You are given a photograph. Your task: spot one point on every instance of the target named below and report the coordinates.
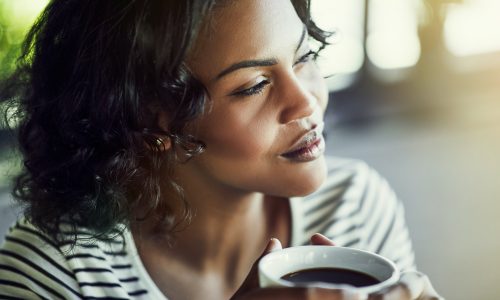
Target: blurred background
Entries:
(415, 92)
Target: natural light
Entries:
(392, 40)
(472, 28)
(21, 13)
(346, 55)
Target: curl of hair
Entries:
(86, 91)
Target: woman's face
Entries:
(264, 119)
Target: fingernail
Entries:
(321, 235)
(319, 238)
(274, 244)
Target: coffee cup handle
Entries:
(418, 285)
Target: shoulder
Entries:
(356, 207)
(34, 265)
(360, 194)
(351, 177)
(342, 208)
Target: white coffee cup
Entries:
(275, 265)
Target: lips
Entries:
(309, 147)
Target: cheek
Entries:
(236, 134)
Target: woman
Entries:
(163, 143)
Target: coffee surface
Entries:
(332, 275)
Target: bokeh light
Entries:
(472, 28)
(392, 41)
(16, 17)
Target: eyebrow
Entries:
(258, 62)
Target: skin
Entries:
(240, 186)
(249, 133)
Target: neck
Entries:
(228, 232)
(228, 228)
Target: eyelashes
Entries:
(256, 89)
(259, 87)
(307, 57)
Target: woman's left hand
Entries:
(412, 285)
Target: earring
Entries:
(159, 142)
(163, 143)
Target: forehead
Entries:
(242, 30)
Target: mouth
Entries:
(308, 148)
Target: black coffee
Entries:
(332, 275)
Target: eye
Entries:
(256, 89)
(311, 55)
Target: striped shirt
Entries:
(355, 207)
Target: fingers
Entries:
(273, 245)
(412, 286)
(300, 293)
(319, 239)
(331, 294)
(396, 292)
(419, 286)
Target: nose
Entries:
(298, 101)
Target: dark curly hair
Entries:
(88, 86)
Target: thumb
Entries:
(252, 280)
(273, 245)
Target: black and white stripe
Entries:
(32, 266)
(355, 207)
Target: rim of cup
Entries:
(274, 279)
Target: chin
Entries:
(306, 188)
(307, 179)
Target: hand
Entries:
(416, 286)
(412, 286)
(250, 287)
